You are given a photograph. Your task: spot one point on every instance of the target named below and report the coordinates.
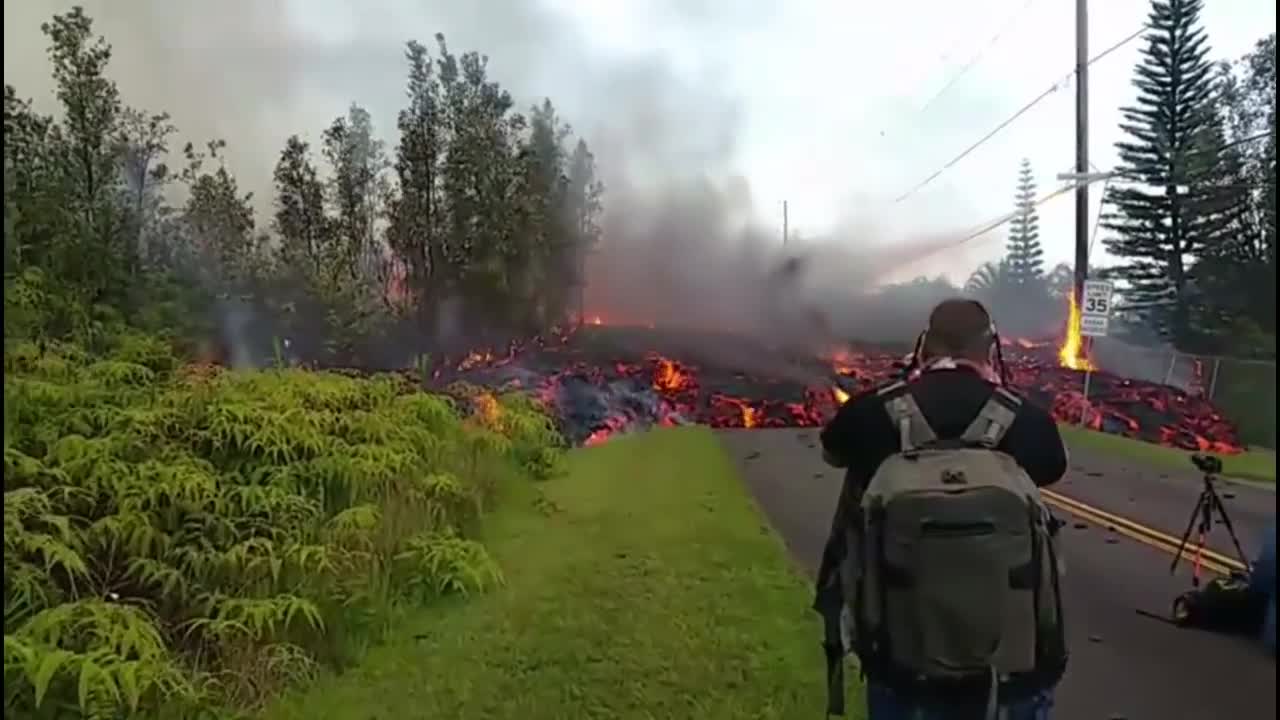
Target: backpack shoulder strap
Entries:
(994, 420)
(914, 430)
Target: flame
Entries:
(845, 361)
(840, 395)
(487, 409)
(749, 416)
(1071, 354)
(668, 376)
(594, 320)
(597, 437)
(474, 359)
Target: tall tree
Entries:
(301, 225)
(86, 152)
(33, 190)
(220, 220)
(358, 190)
(1233, 276)
(479, 176)
(415, 211)
(542, 263)
(1171, 212)
(144, 142)
(584, 204)
(1023, 250)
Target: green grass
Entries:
(1257, 465)
(644, 584)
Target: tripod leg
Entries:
(1202, 535)
(1186, 535)
(1231, 530)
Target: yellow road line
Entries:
(1213, 561)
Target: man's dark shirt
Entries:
(863, 436)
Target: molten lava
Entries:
(1071, 354)
(595, 388)
(669, 377)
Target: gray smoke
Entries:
(683, 243)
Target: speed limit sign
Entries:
(1095, 308)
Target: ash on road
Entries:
(1123, 665)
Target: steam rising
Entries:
(684, 242)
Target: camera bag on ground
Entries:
(950, 574)
(1224, 604)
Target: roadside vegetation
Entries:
(1256, 465)
(643, 583)
(181, 540)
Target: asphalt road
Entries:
(1123, 665)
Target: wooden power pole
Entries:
(784, 222)
(1082, 147)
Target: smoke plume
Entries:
(684, 243)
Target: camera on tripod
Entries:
(1223, 599)
(1207, 464)
(1209, 507)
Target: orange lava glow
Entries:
(1071, 354)
(668, 376)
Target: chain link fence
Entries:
(1244, 390)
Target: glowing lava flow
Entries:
(1071, 354)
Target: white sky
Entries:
(834, 91)
(826, 94)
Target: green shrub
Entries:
(182, 542)
(1246, 393)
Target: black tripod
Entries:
(1208, 504)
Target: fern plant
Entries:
(182, 539)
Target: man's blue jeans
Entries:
(1263, 580)
(883, 704)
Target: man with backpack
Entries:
(941, 571)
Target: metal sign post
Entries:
(1084, 406)
(1095, 321)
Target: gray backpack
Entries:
(951, 574)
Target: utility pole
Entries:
(1082, 147)
(784, 223)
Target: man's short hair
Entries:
(959, 328)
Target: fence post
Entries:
(1213, 377)
(1084, 406)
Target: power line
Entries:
(1021, 111)
(1106, 179)
(992, 225)
(1004, 219)
(978, 55)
